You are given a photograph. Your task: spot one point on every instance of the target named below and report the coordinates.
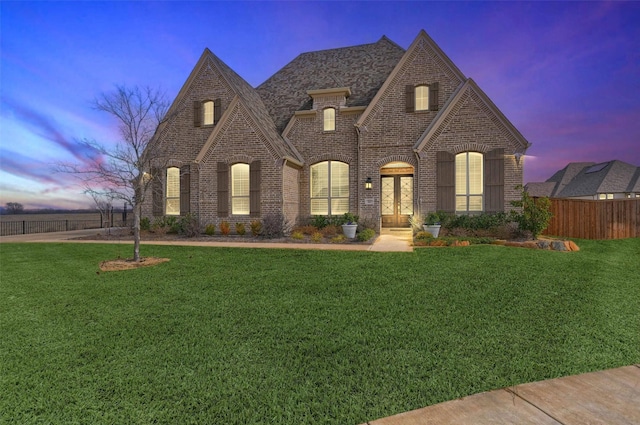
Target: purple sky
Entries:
(566, 74)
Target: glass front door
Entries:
(397, 200)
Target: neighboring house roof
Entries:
(579, 179)
(363, 69)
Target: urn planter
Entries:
(349, 230)
(434, 229)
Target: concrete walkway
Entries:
(610, 397)
(389, 241)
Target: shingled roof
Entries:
(580, 179)
(362, 68)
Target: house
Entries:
(374, 129)
(588, 180)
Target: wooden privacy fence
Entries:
(585, 219)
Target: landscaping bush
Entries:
(240, 230)
(535, 214)
(145, 223)
(330, 230)
(338, 239)
(307, 230)
(317, 237)
(225, 228)
(210, 230)
(298, 235)
(188, 226)
(256, 227)
(274, 225)
(365, 235)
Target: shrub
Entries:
(338, 239)
(319, 221)
(225, 228)
(535, 213)
(366, 234)
(423, 236)
(298, 235)
(145, 223)
(317, 237)
(210, 229)
(240, 229)
(256, 227)
(159, 226)
(308, 229)
(274, 225)
(330, 230)
(188, 225)
(348, 218)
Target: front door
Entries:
(397, 200)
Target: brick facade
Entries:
(369, 133)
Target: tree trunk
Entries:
(137, 212)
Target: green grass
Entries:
(238, 336)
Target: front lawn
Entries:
(244, 336)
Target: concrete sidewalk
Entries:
(389, 241)
(610, 397)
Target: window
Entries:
(172, 206)
(469, 182)
(422, 98)
(329, 119)
(329, 188)
(605, 196)
(208, 113)
(240, 189)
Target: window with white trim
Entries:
(605, 196)
(329, 188)
(172, 204)
(469, 182)
(329, 117)
(422, 98)
(240, 204)
(207, 109)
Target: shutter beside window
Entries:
(494, 181)
(254, 188)
(223, 189)
(197, 113)
(217, 110)
(410, 98)
(433, 97)
(185, 190)
(157, 198)
(445, 182)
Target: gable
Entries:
(470, 111)
(423, 63)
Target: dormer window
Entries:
(422, 98)
(329, 117)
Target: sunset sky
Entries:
(566, 74)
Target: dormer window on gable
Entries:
(329, 119)
(206, 112)
(423, 97)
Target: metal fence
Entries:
(25, 227)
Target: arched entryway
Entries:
(396, 192)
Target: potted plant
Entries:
(432, 224)
(349, 225)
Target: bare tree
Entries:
(123, 171)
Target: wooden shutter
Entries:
(157, 197)
(433, 97)
(185, 190)
(223, 189)
(217, 110)
(254, 188)
(197, 113)
(410, 98)
(494, 181)
(445, 182)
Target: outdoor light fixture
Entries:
(518, 155)
(368, 184)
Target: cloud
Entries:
(47, 128)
